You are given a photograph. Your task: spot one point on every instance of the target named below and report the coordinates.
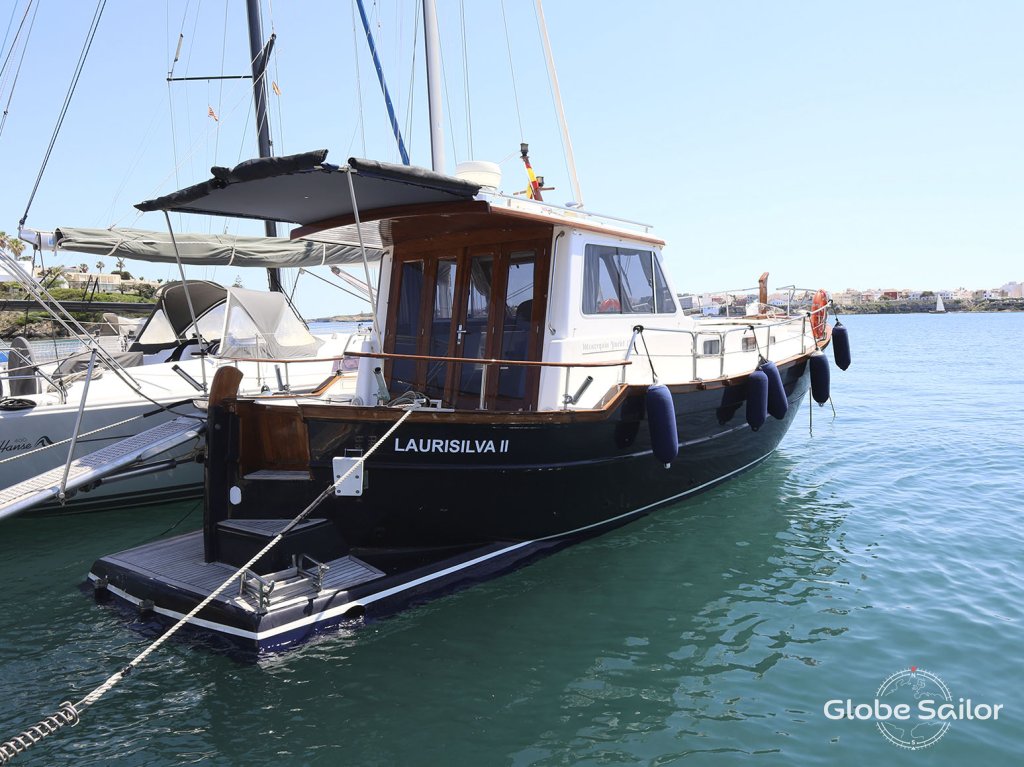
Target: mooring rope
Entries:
(69, 713)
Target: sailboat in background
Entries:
(940, 308)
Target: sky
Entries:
(833, 144)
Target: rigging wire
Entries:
(448, 103)
(412, 76)
(512, 69)
(170, 96)
(21, 60)
(10, 23)
(220, 83)
(465, 76)
(273, 85)
(185, 91)
(359, 83)
(14, 43)
(97, 15)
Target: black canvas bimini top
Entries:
(303, 189)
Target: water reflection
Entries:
(641, 645)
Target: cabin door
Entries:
(482, 302)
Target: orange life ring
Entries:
(609, 305)
(819, 314)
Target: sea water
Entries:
(884, 538)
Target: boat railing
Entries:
(31, 371)
(760, 340)
(760, 334)
(487, 363)
(731, 306)
(65, 319)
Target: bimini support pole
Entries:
(366, 262)
(188, 297)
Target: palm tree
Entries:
(13, 244)
(83, 268)
(99, 266)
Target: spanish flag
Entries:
(213, 115)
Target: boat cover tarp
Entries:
(171, 320)
(218, 249)
(303, 189)
(79, 363)
(263, 325)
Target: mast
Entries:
(259, 56)
(432, 47)
(570, 160)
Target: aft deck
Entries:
(178, 564)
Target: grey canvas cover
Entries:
(220, 249)
(171, 320)
(79, 363)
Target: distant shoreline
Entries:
(365, 317)
(928, 307)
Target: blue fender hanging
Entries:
(661, 420)
(778, 402)
(757, 399)
(841, 346)
(820, 376)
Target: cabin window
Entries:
(454, 306)
(516, 325)
(407, 325)
(441, 325)
(713, 347)
(749, 344)
(624, 281)
(473, 332)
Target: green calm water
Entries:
(709, 633)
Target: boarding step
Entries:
(304, 580)
(239, 540)
(277, 475)
(102, 463)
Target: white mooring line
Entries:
(69, 713)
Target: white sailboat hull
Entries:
(27, 446)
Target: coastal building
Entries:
(1013, 290)
(7, 276)
(106, 283)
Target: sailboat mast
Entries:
(259, 90)
(570, 159)
(432, 47)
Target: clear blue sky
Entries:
(834, 144)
